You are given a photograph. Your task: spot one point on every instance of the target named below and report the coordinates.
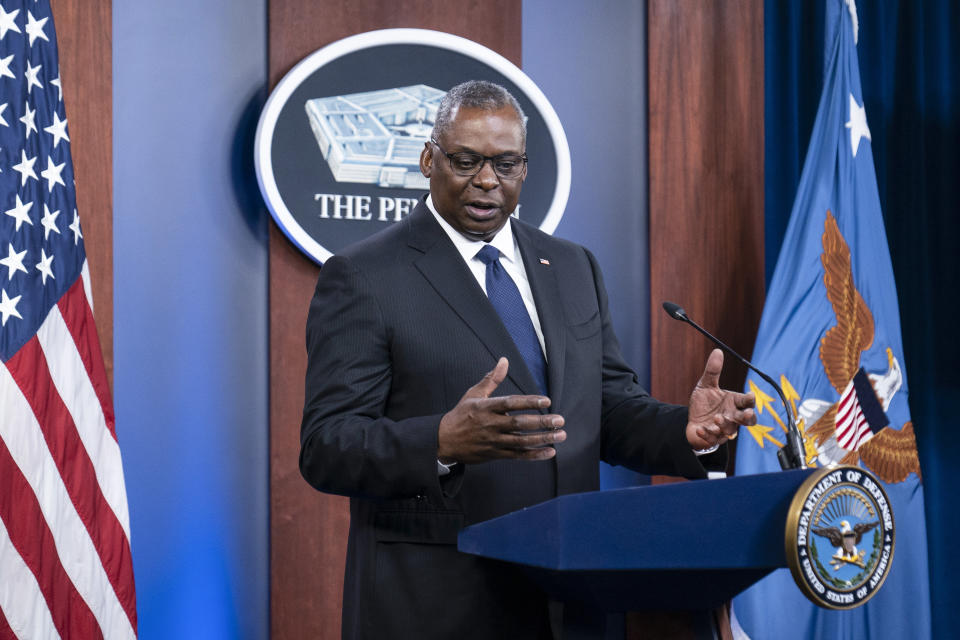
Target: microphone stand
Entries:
(790, 455)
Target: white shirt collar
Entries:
(504, 240)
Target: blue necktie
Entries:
(506, 299)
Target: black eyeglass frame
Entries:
(474, 154)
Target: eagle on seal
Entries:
(846, 539)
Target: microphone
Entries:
(790, 455)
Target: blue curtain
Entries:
(910, 69)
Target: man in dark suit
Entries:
(434, 406)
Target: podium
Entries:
(682, 546)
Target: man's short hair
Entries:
(475, 94)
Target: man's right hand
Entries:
(478, 429)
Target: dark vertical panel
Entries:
(308, 529)
(706, 183)
(83, 42)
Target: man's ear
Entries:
(426, 160)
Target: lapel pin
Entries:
(544, 261)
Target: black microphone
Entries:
(790, 455)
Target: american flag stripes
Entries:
(859, 413)
(852, 427)
(65, 563)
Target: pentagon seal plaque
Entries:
(338, 144)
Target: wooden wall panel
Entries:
(705, 77)
(706, 184)
(84, 45)
(308, 529)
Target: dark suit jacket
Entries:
(398, 330)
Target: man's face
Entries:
(480, 205)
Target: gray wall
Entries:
(589, 58)
(190, 298)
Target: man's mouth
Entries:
(481, 209)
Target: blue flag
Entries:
(831, 333)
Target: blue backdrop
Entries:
(910, 70)
(190, 323)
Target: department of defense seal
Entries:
(840, 537)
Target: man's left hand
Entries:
(716, 414)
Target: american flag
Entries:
(65, 564)
(852, 426)
(859, 413)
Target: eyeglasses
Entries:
(467, 164)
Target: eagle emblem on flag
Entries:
(854, 428)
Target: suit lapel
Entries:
(546, 295)
(443, 267)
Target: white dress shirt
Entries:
(510, 258)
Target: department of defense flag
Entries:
(831, 333)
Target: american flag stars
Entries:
(35, 28)
(7, 23)
(32, 76)
(58, 129)
(49, 221)
(8, 307)
(14, 261)
(29, 119)
(44, 266)
(52, 173)
(25, 168)
(75, 227)
(35, 168)
(20, 212)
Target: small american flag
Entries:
(852, 427)
(859, 413)
(65, 564)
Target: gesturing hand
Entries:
(478, 429)
(716, 414)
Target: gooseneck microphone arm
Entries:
(790, 455)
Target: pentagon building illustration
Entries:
(376, 137)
